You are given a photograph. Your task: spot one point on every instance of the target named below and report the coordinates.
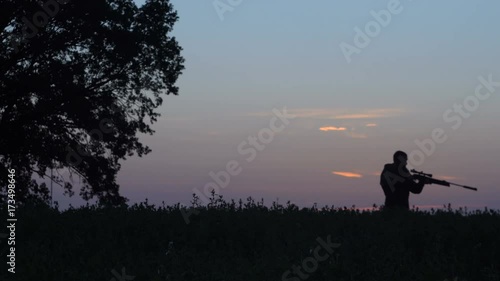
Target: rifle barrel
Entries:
(440, 182)
(465, 186)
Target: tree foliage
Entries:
(77, 85)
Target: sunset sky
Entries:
(404, 86)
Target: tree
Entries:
(79, 80)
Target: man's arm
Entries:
(415, 188)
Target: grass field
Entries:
(248, 241)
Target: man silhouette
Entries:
(397, 182)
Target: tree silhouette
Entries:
(79, 80)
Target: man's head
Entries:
(400, 158)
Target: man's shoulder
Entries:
(392, 169)
(389, 166)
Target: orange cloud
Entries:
(371, 125)
(347, 174)
(326, 129)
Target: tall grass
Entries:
(245, 240)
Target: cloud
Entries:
(356, 135)
(340, 113)
(446, 178)
(347, 174)
(326, 129)
(370, 113)
(371, 125)
(348, 133)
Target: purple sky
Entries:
(422, 75)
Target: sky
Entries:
(361, 81)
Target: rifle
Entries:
(431, 180)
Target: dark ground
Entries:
(248, 241)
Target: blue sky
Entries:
(274, 54)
